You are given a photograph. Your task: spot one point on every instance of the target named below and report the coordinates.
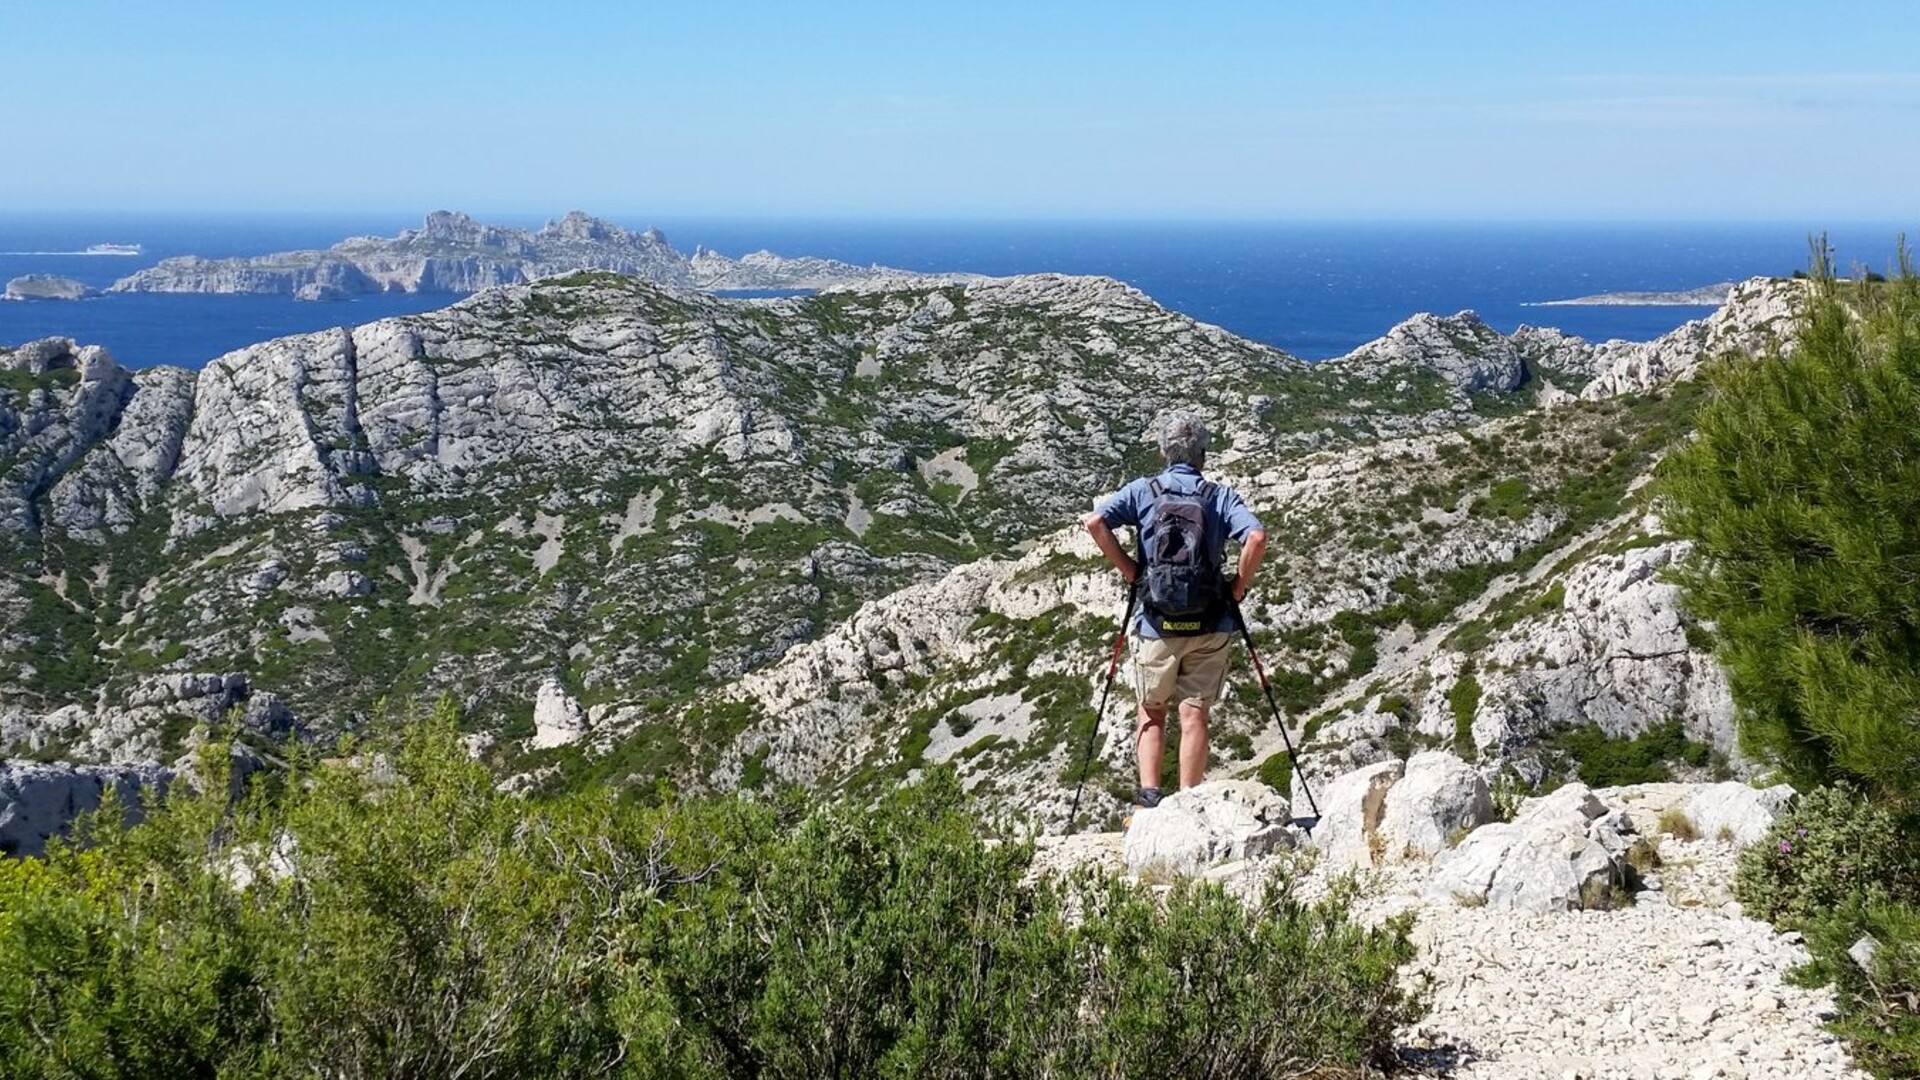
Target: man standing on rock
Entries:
(1186, 624)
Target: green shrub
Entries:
(1202, 980)
(1801, 495)
(1362, 638)
(1834, 849)
(390, 913)
(1601, 760)
(1277, 772)
(1235, 744)
(1510, 498)
(1879, 1006)
(1464, 701)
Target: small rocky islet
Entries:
(46, 287)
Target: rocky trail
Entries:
(1666, 988)
(1534, 974)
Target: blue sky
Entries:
(1500, 111)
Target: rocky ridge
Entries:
(453, 253)
(744, 539)
(996, 659)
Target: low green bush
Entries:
(1834, 849)
(389, 913)
(1464, 702)
(1601, 760)
(1277, 772)
(1879, 1004)
(1841, 868)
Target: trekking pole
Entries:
(1086, 756)
(1293, 759)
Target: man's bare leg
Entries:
(1150, 742)
(1193, 744)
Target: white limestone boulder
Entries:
(1438, 800)
(343, 584)
(1563, 852)
(1200, 827)
(1507, 866)
(558, 720)
(1736, 812)
(1351, 809)
(249, 863)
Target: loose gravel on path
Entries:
(1675, 987)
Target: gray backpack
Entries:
(1184, 590)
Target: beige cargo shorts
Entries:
(1189, 670)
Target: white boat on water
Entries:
(112, 249)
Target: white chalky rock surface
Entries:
(1350, 811)
(1561, 852)
(1736, 812)
(1649, 992)
(1200, 827)
(557, 719)
(1439, 798)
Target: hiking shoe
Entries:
(1146, 798)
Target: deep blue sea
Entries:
(1315, 290)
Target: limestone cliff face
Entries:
(282, 274)
(72, 400)
(38, 801)
(825, 538)
(1615, 652)
(126, 470)
(1757, 317)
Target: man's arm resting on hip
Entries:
(1110, 547)
(1252, 550)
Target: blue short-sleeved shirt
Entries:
(1227, 517)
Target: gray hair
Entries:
(1183, 440)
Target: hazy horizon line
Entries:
(521, 214)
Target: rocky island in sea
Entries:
(453, 253)
(1704, 296)
(46, 287)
